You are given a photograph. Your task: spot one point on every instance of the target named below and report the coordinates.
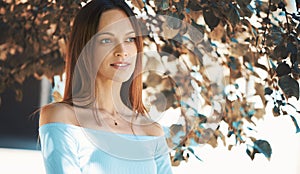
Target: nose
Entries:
(121, 54)
(121, 51)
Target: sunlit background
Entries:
(19, 147)
(20, 151)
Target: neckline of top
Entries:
(96, 130)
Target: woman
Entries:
(101, 125)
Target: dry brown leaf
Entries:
(138, 3)
(57, 96)
(259, 113)
(217, 33)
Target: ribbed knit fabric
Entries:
(70, 149)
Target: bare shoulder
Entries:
(151, 127)
(156, 129)
(57, 112)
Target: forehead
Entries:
(114, 19)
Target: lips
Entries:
(120, 65)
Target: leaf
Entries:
(164, 100)
(296, 67)
(162, 4)
(279, 52)
(292, 48)
(57, 96)
(194, 5)
(233, 15)
(213, 141)
(259, 113)
(238, 49)
(272, 64)
(180, 7)
(230, 146)
(289, 86)
(217, 33)
(263, 146)
(243, 3)
(173, 21)
(296, 124)
(138, 3)
(172, 25)
(275, 1)
(192, 151)
(176, 129)
(283, 69)
(199, 28)
(219, 134)
(273, 7)
(261, 6)
(153, 79)
(178, 155)
(168, 32)
(268, 91)
(276, 111)
(232, 63)
(210, 19)
(249, 153)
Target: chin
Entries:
(121, 78)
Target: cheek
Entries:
(101, 52)
(99, 57)
(133, 55)
(132, 49)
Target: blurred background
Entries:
(32, 47)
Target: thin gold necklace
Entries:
(115, 120)
(111, 115)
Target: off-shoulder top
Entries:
(70, 149)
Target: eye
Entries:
(131, 39)
(105, 41)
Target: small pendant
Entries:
(116, 124)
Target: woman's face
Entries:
(115, 46)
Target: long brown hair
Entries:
(78, 79)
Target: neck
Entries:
(108, 95)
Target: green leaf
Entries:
(289, 86)
(233, 15)
(280, 52)
(292, 48)
(263, 146)
(162, 4)
(192, 151)
(296, 124)
(194, 5)
(283, 69)
(178, 155)
(210, 19)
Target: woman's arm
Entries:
(58, 144)
(162, 158)
(59, 150)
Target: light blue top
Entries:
(70, 149)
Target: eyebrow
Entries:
(108, 33)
